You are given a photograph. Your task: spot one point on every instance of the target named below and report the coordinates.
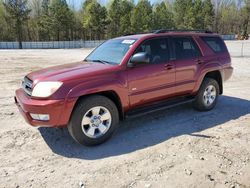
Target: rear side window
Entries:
(185, 48)
(215, 43)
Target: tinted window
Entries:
(185, 48)
(157, 50)
(215, 43)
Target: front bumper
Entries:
(59, 110)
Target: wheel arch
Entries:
(216, 75)
(112, 95)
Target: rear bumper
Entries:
(228, 71)
(58, 110)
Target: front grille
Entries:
(27, 85)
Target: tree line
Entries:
(47, 20)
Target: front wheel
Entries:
(93, 120)
(207, 95)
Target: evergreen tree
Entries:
(119, 14)
(126, 10)
(77, 26)
(45, 7)
(209, 15)
(182, 13)
(3, 24)
(55, 20)
(32, 27)
(246, 18)
(114, 14)
(61, 19)
(141, 18)
(228, 19)
(198, 9)
(195, 14)
(19, 12)
(44, 22)
(162, 17)
(94, 19)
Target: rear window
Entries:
(215, 43)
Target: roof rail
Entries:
(127, 34)
(180, 30)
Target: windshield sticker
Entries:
(128, 41)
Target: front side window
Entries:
(111, 51)
(185, 48)
(157, 49)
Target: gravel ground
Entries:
(179, 147)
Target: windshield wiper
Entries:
(99, 61)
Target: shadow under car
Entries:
(149, 130)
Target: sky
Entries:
(78, 3)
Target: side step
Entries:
(158, 107)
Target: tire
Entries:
(87, 126)
(203, 100)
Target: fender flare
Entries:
(98, 87)
(205, 70)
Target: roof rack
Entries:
(181, 30)
(127, 34)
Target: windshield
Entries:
(111, 51)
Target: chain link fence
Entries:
(51, 44)
(239, 48)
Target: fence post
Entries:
(242, 45)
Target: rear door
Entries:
(188, 60)
(154, 81)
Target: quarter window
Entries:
(185, 48)
(215, 43)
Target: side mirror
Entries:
(139, 58)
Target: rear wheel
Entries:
(207, 95)
(94, 120)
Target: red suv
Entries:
(124, 77)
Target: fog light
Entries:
(40, 117)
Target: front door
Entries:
(155, 80)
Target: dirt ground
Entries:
(179, 147)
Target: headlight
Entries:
(45, 89)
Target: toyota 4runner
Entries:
(125, 77)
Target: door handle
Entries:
(199, 61)
(168, 67)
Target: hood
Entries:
(70, 71)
